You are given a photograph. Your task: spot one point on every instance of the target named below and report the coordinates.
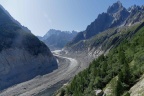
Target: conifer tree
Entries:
(119, 87)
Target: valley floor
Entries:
(41, 85)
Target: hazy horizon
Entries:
(40, 16)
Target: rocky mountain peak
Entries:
(115, 7)
(53, 32)
(57, 39)
(134, 8)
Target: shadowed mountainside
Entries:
(22, 55)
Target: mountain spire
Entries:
(115, 7)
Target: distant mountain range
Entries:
(22, 55)
(56, 39)
(116, 16)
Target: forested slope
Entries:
(125, 62)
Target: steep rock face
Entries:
(57, 39)
(18, 65)
(22, 55)
(116, 17)
(119, 14)
(115, 7)
(102, 22)
(119, 17)
(136, 15)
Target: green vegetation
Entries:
(106, 39)
(13, 36)
(125, 60)
(7, 33)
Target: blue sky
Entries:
(41, 15)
